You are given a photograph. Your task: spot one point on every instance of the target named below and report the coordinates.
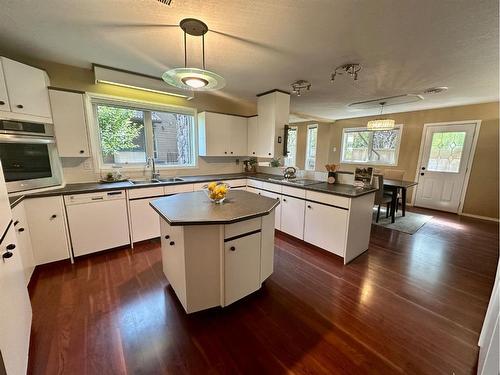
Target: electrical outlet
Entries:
(335, 149)
(87, 164)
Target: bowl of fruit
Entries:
(216, 191)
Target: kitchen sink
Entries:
(144, 182)
(171, 179)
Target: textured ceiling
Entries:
(404, 46)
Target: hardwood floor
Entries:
(411, 304)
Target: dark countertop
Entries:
(196, 208)
(344, 190)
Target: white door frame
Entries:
(477, 127)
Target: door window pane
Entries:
(121, 133)
(173, 135)
(446, 152)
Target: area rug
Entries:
(410, 223)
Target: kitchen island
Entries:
(216, 254)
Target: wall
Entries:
(70, 77)
(482, 193)
(322, 148)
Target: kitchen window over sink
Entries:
(129, 134)
(363, 146)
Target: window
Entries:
(130, 135)
(446, 152)
(290, 159)
(360, 145)
(312, 140)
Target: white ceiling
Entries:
(404, 46)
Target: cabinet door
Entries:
(326, 227)
(214, 137)
(253, 136)
(277, 210)
(15, 309)
(145, 221)
(266, 124)
(47, 229)
(292, 216)
(27, 88)
(4, 98)
(242, 267)
(238, 136)
(70, 124)
(23, 239)
(175, 189)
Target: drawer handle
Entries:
(20, 106)
(16, 222)
(97, 198)
(115, 193)
(172, 243)
(53, 216)
(21, 230)
(167, 237)
(232, 248)
(2, 102)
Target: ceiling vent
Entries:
(165, 2)
(391, 100)
(435, 90)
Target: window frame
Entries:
(311, 126)
(91, 110)
(370, 162)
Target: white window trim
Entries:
(99, 166)
(369, 162)
(311, 126)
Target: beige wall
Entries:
(70, 77)
(482, 193)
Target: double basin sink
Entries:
(156, 180)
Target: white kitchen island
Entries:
(216, 254)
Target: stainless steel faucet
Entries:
(151, 163)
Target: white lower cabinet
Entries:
(277, 216)
(47, 226)
(145, 222)
(292, 216)
(326, 227)
(24, 240)
(15, 308)
(242, 267)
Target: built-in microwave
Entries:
(29, 155)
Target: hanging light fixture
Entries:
(194, 78)
(381, 123)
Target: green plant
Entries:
(117, 130)
(275, 162)
(252, 161)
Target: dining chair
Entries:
(381, 197)
(395, 174)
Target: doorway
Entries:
(446, 154)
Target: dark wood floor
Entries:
(411, 304)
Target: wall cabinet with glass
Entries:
(222, 135)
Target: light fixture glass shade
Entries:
(381, 124)
(194, 79)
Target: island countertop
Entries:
(196, 208)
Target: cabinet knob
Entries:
(421, 174)
(10, 247)
(253, 152)
(269, 153)
(284, 200)
(82, 151)
(309, 206)
(232, 248)
(225, 152)
(21, 229)
(16, 222)
(231, 152)
(172, 243)
(167, 237)
(20, 106)
(53, 216)
(2, 102)
(7, 255)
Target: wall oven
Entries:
(29, 155)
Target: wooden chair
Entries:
(395, 174)
(381, 197)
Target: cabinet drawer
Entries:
(145, 192)
(175, 189)
(199, 186)
(293, 192)
(254, 183)
(330, 199)
(253, 190)
(271, 187)
(241, 227)
(237, 183)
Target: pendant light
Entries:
(194, 78)
(381, 123)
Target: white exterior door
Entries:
(443, 167)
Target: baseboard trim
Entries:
(480, 217)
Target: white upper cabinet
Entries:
(68, 114)
(273, 112)
(253, 136)
(26, 88)
(222, 135)
(4, 98)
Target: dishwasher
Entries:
(97, 221)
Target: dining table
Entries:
(394, 186)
